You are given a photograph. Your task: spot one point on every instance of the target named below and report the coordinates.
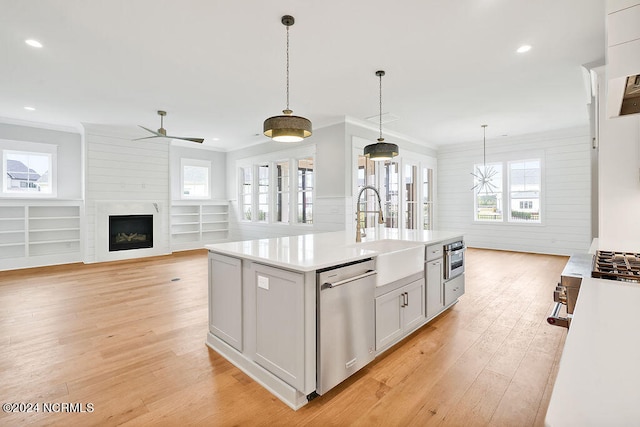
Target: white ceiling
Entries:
(218, 67)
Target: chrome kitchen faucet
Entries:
(359, 233)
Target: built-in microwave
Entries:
(453, 259)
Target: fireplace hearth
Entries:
(128, 232)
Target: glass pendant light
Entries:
(484, 176)
(381, 150)
(287, 127)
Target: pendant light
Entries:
(485, 175)
(381, 150)
(287, 127)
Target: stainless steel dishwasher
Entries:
(345, 322)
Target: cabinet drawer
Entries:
(434, 251)
(453, 289)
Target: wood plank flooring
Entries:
(128, 337)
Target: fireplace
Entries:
(130, 232)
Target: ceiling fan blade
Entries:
(198, 140)
(147, 137)
(157, 134)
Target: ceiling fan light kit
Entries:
(381, 151)
(162, 132)
(287, 127)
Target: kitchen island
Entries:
(264, 298)
(599, 375)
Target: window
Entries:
(488, 199)
(524, 191)
(263, 193)
(195, 179)
(369, 202)
(523, 180)
(278, 191)
(246, 192)
(427, 199)
(282, 192)
(28, 173)
(305, 190)
(390, 183)
(411, 197)
(526, 205)
(405, 187)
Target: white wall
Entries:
(218, 176)
(69, 154)
(566, 223)
(619, 182)
(619, 137)
(333, 204)
(329, 203)
(124, 174)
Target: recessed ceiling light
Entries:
(524, 48)
(33, 43)
(215, 139)
(30, 108)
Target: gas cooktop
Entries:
(612, 265)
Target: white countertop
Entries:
(312, 252)
(598, 383)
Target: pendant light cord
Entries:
(484, 145)
(380, 139)
(288, 68)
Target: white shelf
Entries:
(194, 224)
(46, 242)
(39, 234)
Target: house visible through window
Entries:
(524, 187)
(27, 173)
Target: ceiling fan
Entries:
(162, 132)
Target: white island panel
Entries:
(598, 382)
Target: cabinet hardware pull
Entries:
(406, 298)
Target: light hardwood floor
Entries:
(129, 339)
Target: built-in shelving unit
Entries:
(12, 232)
(196, 224)
(39, 234)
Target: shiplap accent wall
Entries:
(121, 170)
(566, 223)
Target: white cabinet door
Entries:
(389, 318)
(399, 312)
(280, 323)
(225, 299)
(413, 311)
(435, 300)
